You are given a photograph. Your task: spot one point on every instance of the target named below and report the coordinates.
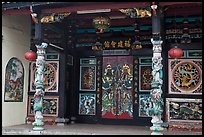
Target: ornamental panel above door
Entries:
(117, 87)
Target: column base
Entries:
(37, 128)
(73, 120)
(157, 129)
(38, 125)
(61, 121)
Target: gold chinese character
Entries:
(127, 43)
(120, 44)
(113, 43)
(107, 44)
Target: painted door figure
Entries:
(117, 86)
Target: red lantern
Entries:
(175, 53)
(31, 56)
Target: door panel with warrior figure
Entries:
(117, 86)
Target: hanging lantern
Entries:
(101, 23)
(175, 53)
(31, 56)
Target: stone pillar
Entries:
(156, 92)
(39, 78)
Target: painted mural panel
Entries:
(117, 86)
(87, 104)
(87, 74)
(183, 110)
(87, 78)
(108, 87)
(50, 76)
(185, 76)
(14, 81)
(145, 105)
(50, 105)
(145, 78)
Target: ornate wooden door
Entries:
(117, 87)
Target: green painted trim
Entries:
(145, 60)
(197, 53)
(89, 60)
(145, 27)
(115, 29)
(85, 44)
(190, 19)
(52, 56)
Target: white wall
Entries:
(16, 31)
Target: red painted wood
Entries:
(16, 12)
(178, 3)
(109, 115)
(184, 11)
(97, 5)
(74, 7)
(124, 115)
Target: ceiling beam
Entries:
(95, 6)
(18, 5)
(91, 16)
(75, 6)
(184, 11)
(178, 3)
(16, 12)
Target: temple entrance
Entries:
(117, 87)
(114, 90)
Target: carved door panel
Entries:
(117, 87)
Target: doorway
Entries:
(117, 87)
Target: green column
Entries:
(156, 92)
(39, 78)
(157, 73)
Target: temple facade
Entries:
(134, 63)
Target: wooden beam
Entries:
(116, 13)
(178, 3)
(97, 5)
(111, 5)
(16, 12)
(18, 5)
(74, 7)
(187, 11)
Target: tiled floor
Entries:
(87, 129)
